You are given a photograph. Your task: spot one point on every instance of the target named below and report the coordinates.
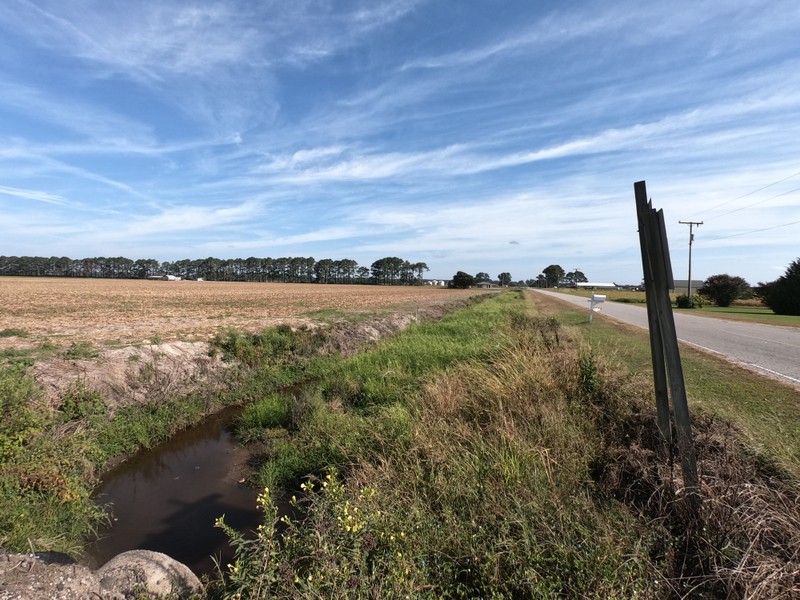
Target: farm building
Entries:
(164, 278)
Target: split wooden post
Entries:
(667, 368)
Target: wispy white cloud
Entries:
(145, 39)
(90, 121)
(701, 124)
(36, 195)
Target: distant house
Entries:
(595, 285)
(682, 286)
(164, 278)
(485, 284)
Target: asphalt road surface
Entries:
(767, 349)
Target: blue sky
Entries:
(487, 135)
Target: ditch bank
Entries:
(122, 378)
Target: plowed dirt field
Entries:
(128, 312)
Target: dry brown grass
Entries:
(124, 312)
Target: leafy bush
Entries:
(18, 421)
(278, 345)
(683, 301)
(783, 294)
(81, 403)
(723, 289)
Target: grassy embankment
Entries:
(767, 413)
(494, 454)
(51, 458)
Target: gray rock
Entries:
(135, 574)
(140, 571)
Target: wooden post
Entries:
(656, 335)
(663, 337)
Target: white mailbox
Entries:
(594, 304)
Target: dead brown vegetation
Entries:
(127, 312)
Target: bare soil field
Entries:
(120, 312)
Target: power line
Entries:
(749, 194)
(730, 212)
(753, 231)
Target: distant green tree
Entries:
(552, 275)
(723, 289)
(419, 268)
(504, 279)
(323, 270)
(387, 270)
(783, 294)
(462, 280)
(481, 277)
(574, 277)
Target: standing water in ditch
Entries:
(168, 498)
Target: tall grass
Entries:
(361, 404)
(467, 451)
(526, 468)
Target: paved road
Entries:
(768, 349)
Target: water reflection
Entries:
(167, 499)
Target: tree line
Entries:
(390, 270)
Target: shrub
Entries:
(683, 301)
(723, 289)
(82, 403)
(783, 294)
(18, 420)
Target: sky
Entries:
(483, 136)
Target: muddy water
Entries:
(167, 499)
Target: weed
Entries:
(279, 345)
(81, 351)
(13, 332)
(82, 403)
(19, 419)
(274, 410)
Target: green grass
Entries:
(767, 412)
(373, 390)
(393, 370)
(752, 314)
(465, 470)
(500, 455)
(81, 350)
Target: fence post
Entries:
(667, 368)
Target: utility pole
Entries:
(691, 225)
